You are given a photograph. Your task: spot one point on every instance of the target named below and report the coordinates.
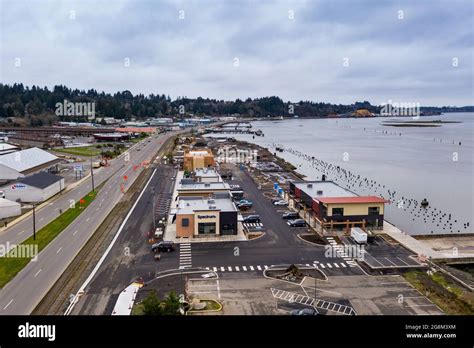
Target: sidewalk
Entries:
(417, 246)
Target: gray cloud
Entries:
(407, 59)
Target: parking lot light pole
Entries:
(34, 222)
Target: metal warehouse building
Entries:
(9, 208)
(34, 188)
(20, 163)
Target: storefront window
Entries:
(207, 228)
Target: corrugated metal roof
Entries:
(357, 199)
(26, 159)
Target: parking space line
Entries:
(36, 274)
(59, 250)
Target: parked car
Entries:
(290, 215)
(244, 201)
(244, 206)
(163, 246)
(297, 223)
(235, 188)
(304, 311)
(252, 218)
(275, 200)
(281, 202)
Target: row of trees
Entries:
(38, 105)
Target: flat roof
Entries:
(203, 186)
(348, 200)
(329, 189)
(26, 159)
(205, 172)
(5, 146)
(5, 203)
(198, 152)
(188, 205)
(41, 180)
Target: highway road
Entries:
(17, 233)
(23, 293)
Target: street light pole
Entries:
(92, 176)
(34, 222)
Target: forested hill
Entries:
(38, 105)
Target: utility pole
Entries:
(153, 207)
(92, 176)
(34, 222)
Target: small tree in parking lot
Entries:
(152, 305)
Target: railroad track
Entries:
(57, 299)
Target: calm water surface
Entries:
(404, 165)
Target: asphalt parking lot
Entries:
(383, 255)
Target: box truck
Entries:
(359, 235)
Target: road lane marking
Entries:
(21, 232)
(87, 220)
(36, 274)
(59, 250)
(41, 219)
(74, 233)
(9, 303)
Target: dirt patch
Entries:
(294, 274)
(313, 238)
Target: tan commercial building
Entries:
(338, 206)
(194, 159)
(200, 216)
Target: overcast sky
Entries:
(328, 50)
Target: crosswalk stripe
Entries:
(251, 268)
(335, 264)
(343, 264)
(244, 268)
(329, 265)
(265, 266)
(214, 269)
(308, 265)
(222, 269)
(322, 265)
(259, 268)
(208, 268)
(229, 268)
(237, 268)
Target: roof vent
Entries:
(187, 204)
(207, 184)
(212, 207)
(211, 201)
(319, 192)
(309, 185)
